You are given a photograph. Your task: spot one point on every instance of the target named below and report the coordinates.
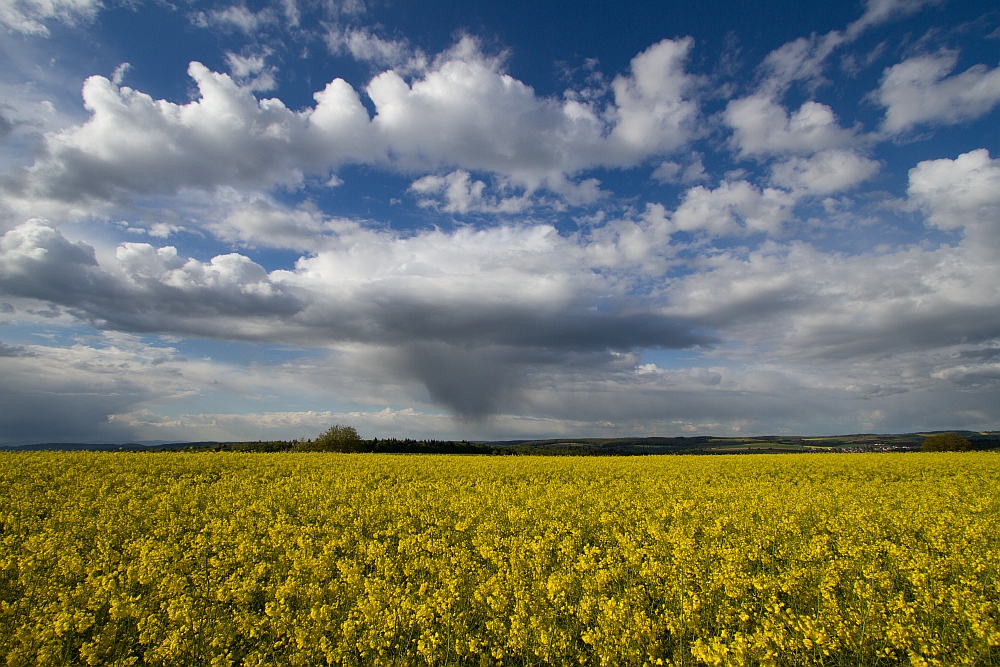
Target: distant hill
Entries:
(106, 447)
(861, 442)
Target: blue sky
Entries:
(241, 221)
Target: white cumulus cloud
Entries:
(134, 145)
(463, 114)
(963, 193)
(762, 126)
(733, 208)
(825, 172)
(920, 91)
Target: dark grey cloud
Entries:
(911, 330)
(472, 382)
(163, 292)
(6, 126)
(384, 317)
(229, 297)
(56, 395)
(480, 353)
(477, 381)
(473, 355)
(481, 366)
(27, 418)
(985, 354)
(40, 263)
(14, 350)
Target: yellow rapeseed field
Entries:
(314, 559)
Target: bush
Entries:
(337, 438)
(946, 442)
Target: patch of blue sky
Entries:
(238, 353)
(189, 240)
(158, 42)
(932, 142)
(254, 399)
(676, 359)
(540, 35)
(31, 328)
(366, 194)
(209, 401)
(13, 333)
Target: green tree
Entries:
(337, 438)
(946, 442)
